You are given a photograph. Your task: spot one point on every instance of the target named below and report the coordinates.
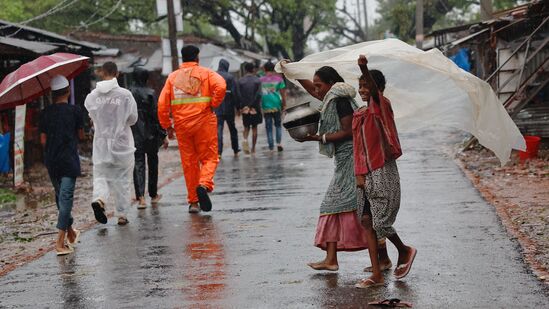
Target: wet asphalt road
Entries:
(252, 250)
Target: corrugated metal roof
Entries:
(467, 38)
(36, 47)
(48, 33)
(107, 52)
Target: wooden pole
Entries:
(172, 33)
(358, 14)
(419, 24)
(365, 8)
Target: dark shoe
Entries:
(279, 148)
(194, 208)
(99, 212)
(203, 198)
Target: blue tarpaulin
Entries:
(461, 58)
(4, 153)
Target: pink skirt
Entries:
(343, 228)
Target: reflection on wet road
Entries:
(205, 271)
(251, 250)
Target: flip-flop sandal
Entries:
(368, 283)
(193, 210)
(156, 199)
(383, 268)
(99, 212)
(66, 251)
(76, 239)
(392, 303)
(406, 266)
(141, 206)
(203, 199)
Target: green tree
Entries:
(113, 16)
(283, 25)
(13, 10)
(288, 24)
(398, 16)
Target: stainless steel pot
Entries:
(300, 132)
(300, 115)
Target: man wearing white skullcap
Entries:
(61, 127)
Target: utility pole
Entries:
(358, 15)
(486, 9)
(419, 24)
(172, 33)
(365, 20)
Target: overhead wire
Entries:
(56, 8)
(113, 9)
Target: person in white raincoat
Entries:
(113, 110)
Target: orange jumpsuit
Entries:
(190, 95)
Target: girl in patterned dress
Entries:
(376, 148)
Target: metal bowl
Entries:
(301, 132)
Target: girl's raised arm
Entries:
(363, 65)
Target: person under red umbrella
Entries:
(32, 79)
(61, 126)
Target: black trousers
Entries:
(232, 129)
(149, 149)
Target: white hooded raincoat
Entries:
(113, 110)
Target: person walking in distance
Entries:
(148, 137)
(226, 111)
(249, 87)
(273, 102)
(190, 95)
(61, 126)
(113, 110)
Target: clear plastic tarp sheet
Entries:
(425, 89)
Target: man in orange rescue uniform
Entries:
(190, 94)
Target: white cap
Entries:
(59, 82)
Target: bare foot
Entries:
(73, 237)
(404, 256)
(383, 266)
(370, 282)
(324, 266)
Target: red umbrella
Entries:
(32, 79)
